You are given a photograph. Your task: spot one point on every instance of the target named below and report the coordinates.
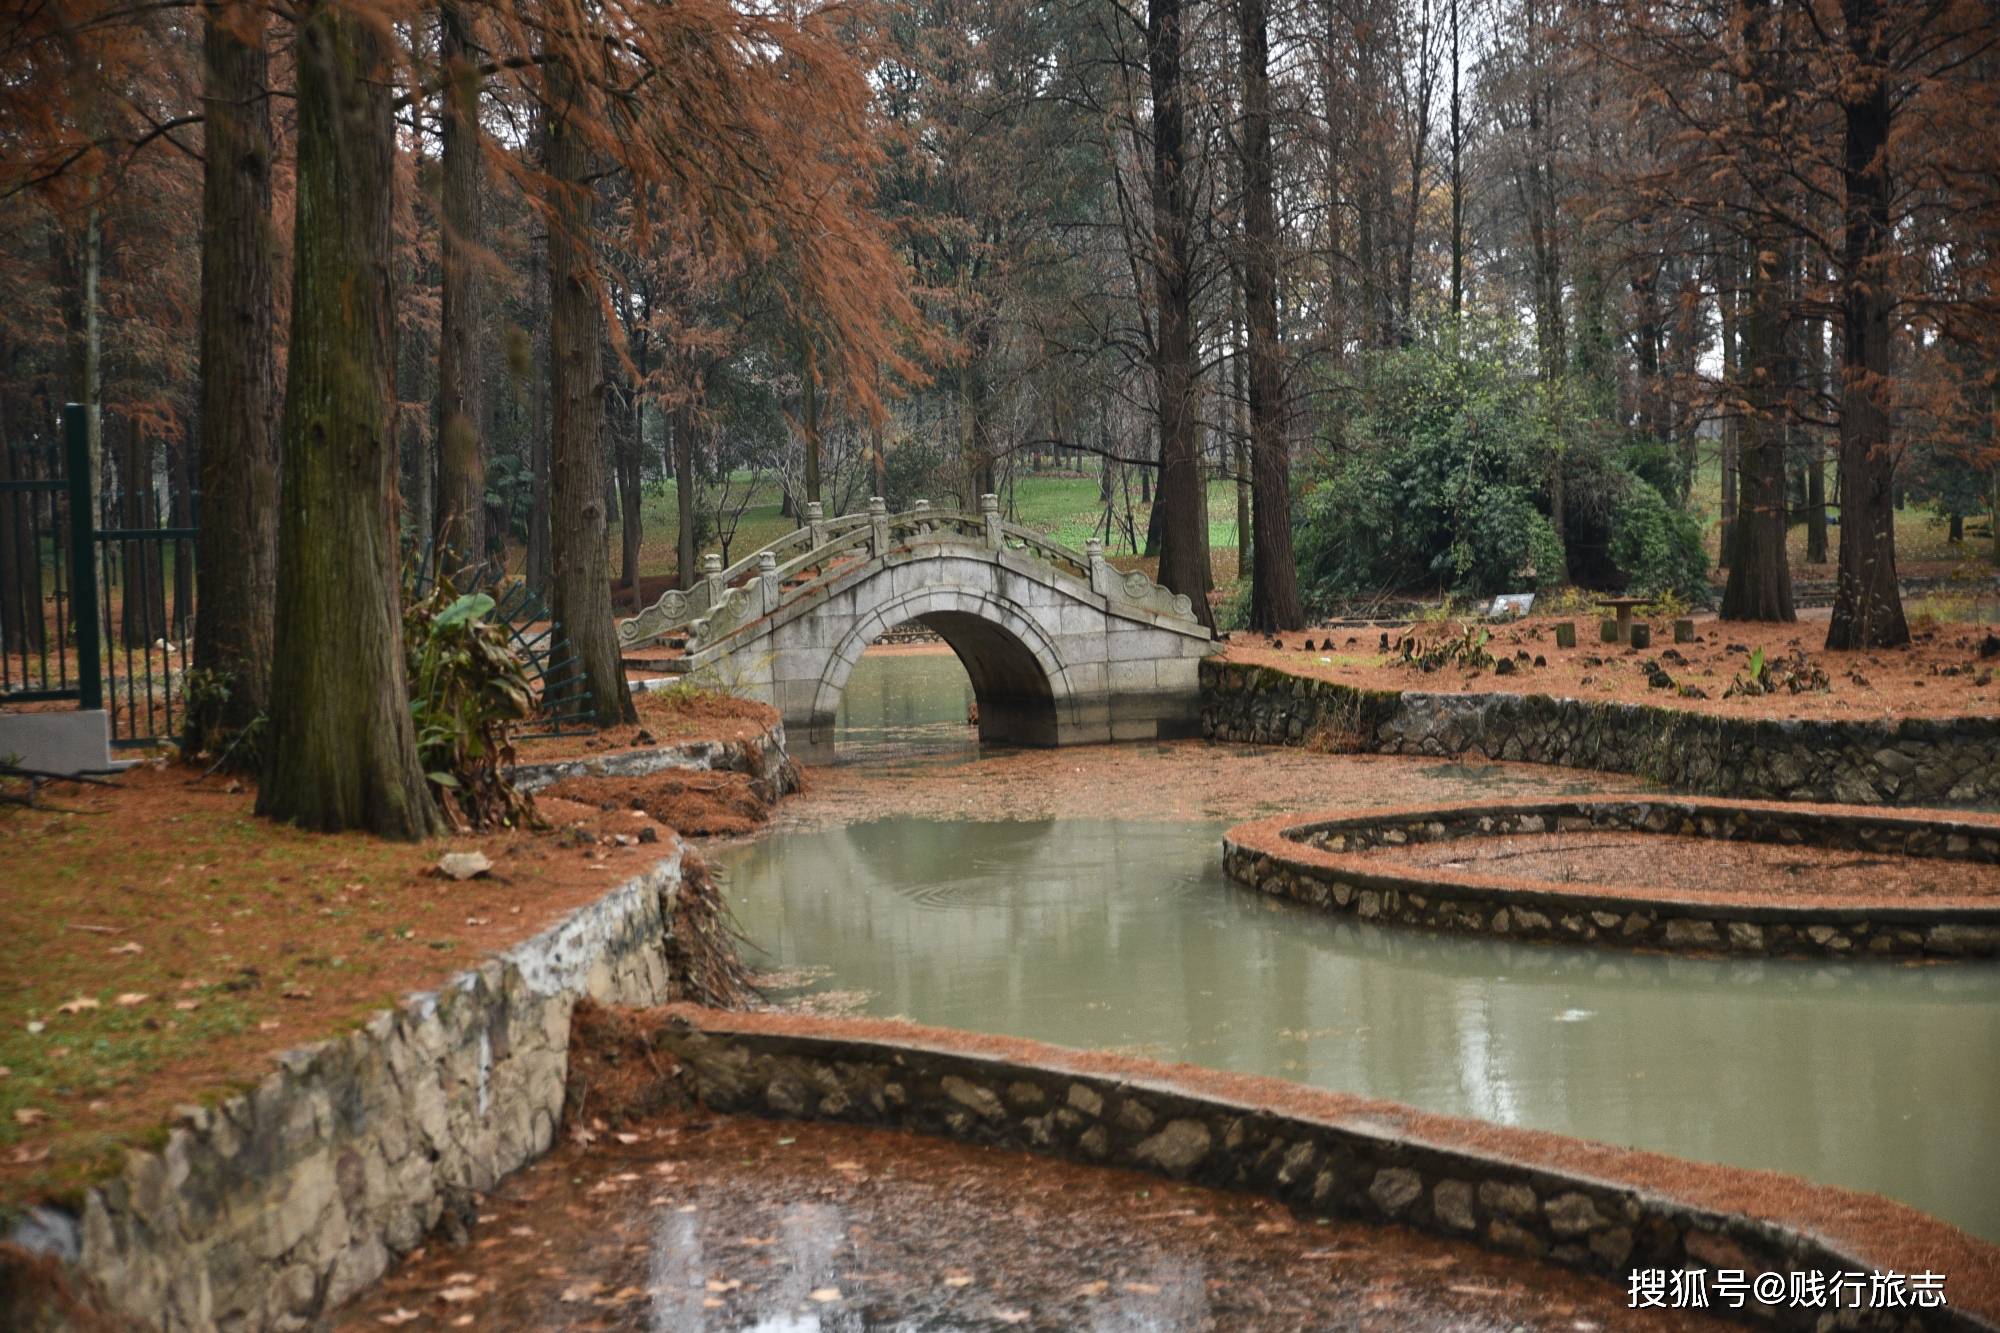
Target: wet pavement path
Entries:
(727, 1224)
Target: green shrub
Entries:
(1443, 485)
(468, 687)
(1656, 547)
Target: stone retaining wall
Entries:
(1308, 860)
(271, 1208)
(1917, 761)
(1041, 1099)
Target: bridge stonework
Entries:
(1061, 648)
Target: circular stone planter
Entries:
(1323, 860)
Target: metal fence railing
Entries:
(96, 587)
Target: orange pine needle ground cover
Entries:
(667, 717)
(159, 944)
(1878, 683)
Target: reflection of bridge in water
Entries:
(1062, 649)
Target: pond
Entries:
(1123, 934)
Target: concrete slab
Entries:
(67, 740)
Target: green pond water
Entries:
(1125, 935)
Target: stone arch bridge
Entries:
(1062, 648)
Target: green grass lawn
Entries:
(1922, 534)
(1066, 509)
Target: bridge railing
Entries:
(798, 562)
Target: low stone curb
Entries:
(1224, 1131)
(273, 1207)
(1916, 761)
(1309, 859)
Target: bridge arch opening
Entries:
(909, 694)
(1016, 702)
(1018, 685)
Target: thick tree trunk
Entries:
(538, 439)
(1274, 573)
(236, 549)
(341, 750)
(461, 416)
(1867, 604)
(579, 572)
(1182, 497)
(1760, 582)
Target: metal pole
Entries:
(82, 555)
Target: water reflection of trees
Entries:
(1125, 934)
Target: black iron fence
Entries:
(96, 587)
(97, 594)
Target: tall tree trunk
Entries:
(1867, 604)
(1239, 421)
(538, 439)
(1182, 496)
(236, 546)
(22, 629)
(1816, 503)
(631, 521)
(809, 410)
(461, 416)
(1457, 183)
(417, 444)
(1274, 573)
(340, 751)
(79, 266)
(685, 573)
(1727, 310)
(580, 573)
(1760, 582)
(878, 458)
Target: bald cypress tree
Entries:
(579, 568)
(341, 749)
(237, 550)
